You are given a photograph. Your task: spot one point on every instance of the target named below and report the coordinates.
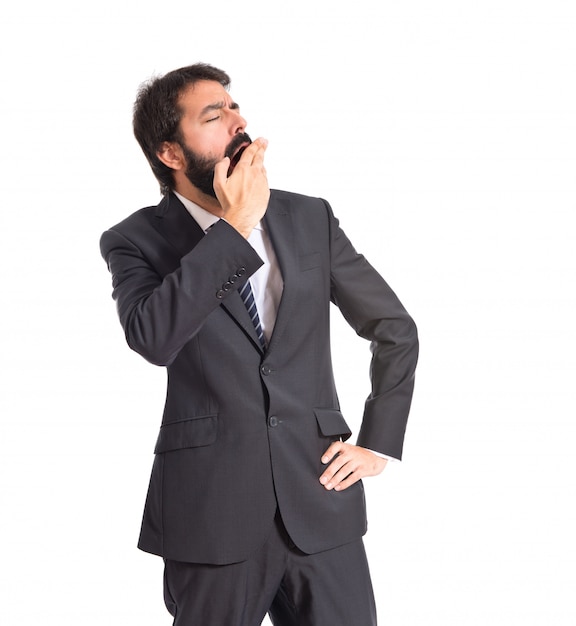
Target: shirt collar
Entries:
(204, 218)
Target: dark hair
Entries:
(157, 114)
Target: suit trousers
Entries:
(330, 588)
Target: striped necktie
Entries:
(248, 299)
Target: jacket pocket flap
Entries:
(332, 422)
(190, 433)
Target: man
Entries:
(255, 501)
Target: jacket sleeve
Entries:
(160, 312)
(375, 312)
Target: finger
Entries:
(357, 468)
(334, 467)
(332, 451)
(221, 174)
(352, 478)
(254, 153)
(336, 479)
(259, 156)
(352, 465)
(346, 475)
(338, 470)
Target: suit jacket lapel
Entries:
(177, 225)
(236, 308)
(278, 223)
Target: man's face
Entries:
(211, 128)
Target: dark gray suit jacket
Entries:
(244, 429)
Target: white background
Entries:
(444, 135)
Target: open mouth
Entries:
(236, 157)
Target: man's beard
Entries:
(200, 170)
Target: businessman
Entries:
(255, 500)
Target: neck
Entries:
(208, 203)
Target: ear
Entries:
(170, 153)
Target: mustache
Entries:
(236, 142)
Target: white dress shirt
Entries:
(267, 284)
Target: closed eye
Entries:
(218, 106)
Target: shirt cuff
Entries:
(384, 456)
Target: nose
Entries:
(238, 123)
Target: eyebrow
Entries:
(216, 106)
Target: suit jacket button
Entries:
(220, 294)
(241, 271)
(266, 370)
(273, 421)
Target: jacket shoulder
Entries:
(136, 226)
(299, 205)
(296, 199)
(137, 219)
